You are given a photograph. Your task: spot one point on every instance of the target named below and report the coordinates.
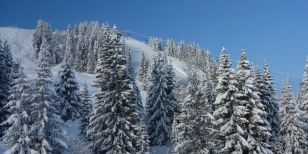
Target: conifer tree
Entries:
(304, 94)
(86, 111)
(42, 32)
(159, 108)
(45, 129)
(68, 92)
(291, 127)
(143, 71)
(231, 137)
(268, 98)
(91, 58)
(114, 124)
(195, 128)
(17, 135)
(5, 80)
(70, 46)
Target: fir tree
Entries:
(45, 129)
(159, 108)
(68, 92)
(81, 50)
(304, 93)
(195, 128)
(70, 47)
(259, 129)
(42, 32)
(143, 71)
(269, 100)
(114, 124)
(231, 135)
(291, 127)
(5, 80)
(17, 135)
(86, 111)
(91, 58)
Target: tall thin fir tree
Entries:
(195, 128)
(87, 109)
(247, 110)
(70, 46)
(303, 98)
(42, 32)
(159, 108)
(5, 80)
(81, 49)
(45, 130)
(291, 127)
(270, 101)
(259, 128)
(17, 135)
(67, 89)
(230, 134)
(114, 124)
(143, 71)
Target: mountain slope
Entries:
(20, 41)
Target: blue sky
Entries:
(276, 30)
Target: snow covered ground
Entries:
(20, 41)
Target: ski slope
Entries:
(20, 41)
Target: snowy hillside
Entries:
(20, 41)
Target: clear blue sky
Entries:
(276, 30)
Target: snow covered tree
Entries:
(291, 127)
(159, 108)
(259, 128)
(228, 132)
(68, 92)
(195, 128)
(45, 130)
(170, 47)
(42, 32)
(170, 81)
(5, 80)
(248, 111)
(91, 58)
(304, 94)
(143, 142)
(81, 49)
(17, 135)
(70, 46)
(269, 100)
(181, 50)
(114, 124)
(143, 71)
(209, 81)
(86, 111)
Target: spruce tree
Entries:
(5, 80)
(259, 128)
(268, 98)
(291, 127)
(68, 92)
(159, 108)
(114, 124)
(42, 32)
(195, 128)
(70, 46)
(143, 71)
(304, 94)
(17, 135)
(45, 129)
(231, 136)
(92, 59)
(86, 111)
